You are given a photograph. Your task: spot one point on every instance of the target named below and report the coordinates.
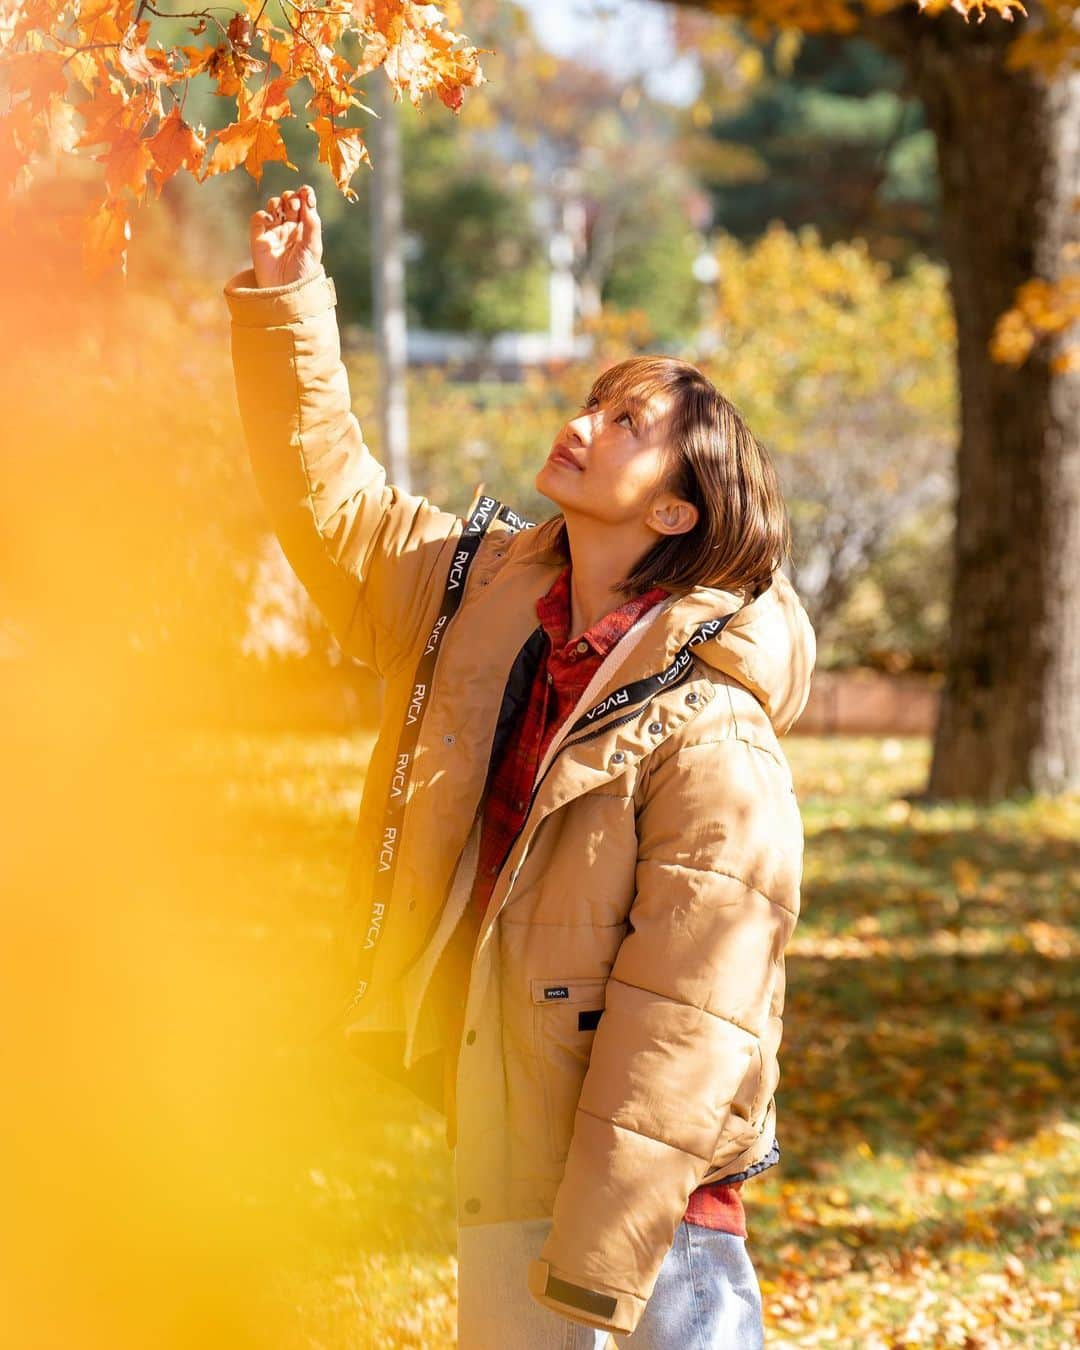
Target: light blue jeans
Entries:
(706, 1296)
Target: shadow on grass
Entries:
(918, 880)
(932, 991)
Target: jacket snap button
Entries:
(449, 738)
(412, 904)
(691, 698)
(582, 647)
(617, 757)
(655, 728)
(472, 1205)
(470, 1038)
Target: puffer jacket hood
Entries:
(768, 646)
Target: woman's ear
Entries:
(672, 515)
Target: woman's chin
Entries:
(546, 483)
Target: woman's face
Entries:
(609, 462)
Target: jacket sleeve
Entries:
(676, 1086)
(371, 557)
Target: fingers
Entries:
(308, 214)
(293, 206)
(259, 226)
(290, 203)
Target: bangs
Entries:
(639, 380)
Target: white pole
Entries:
(388, 284)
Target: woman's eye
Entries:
(629, 419)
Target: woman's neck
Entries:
(601, 557)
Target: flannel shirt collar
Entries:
(553, 611)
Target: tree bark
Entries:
(1009, 169)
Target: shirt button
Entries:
(551, 678)
(472, 1205)
(582, 647)
(470, 1038)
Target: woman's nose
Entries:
(575, 429)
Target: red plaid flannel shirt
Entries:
(564, 671)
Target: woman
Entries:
(578, 857)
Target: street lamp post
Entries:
(706, 271)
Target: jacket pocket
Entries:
(566, 1014)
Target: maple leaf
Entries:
(198, 59)
(334, 101)
(39, 73)
(426, 57)
(92, 12)
(58, 124)
(233, 144)
(453, 69)
(269, 101)
(252, 142)
(280, 49)
(175, 146)
(85, 68)
(106, 116)
(16, 134)
(342, 149)
(229, 68)
(127, 162)
(105, 237)
(267, 146)
(138, 63)
(240, 31)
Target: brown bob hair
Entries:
(743, 532)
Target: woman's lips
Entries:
(560, 455)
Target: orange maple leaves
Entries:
(84, 77)
(1003, 8)
(342, 149)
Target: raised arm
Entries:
(371, 557)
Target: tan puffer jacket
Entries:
(618, 1045)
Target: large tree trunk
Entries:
(1009, 167)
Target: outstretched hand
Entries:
(286, 238)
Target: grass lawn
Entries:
(928, 1188)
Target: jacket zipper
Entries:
(580, 740)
